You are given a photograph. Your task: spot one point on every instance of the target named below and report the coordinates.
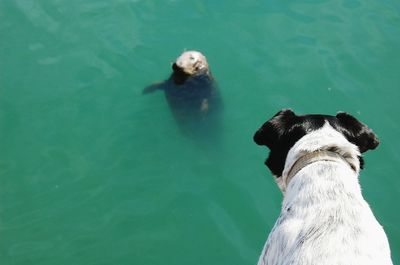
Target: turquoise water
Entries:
(94, 172)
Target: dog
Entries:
(324, 220)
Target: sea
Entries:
(94, 172)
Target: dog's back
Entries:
(324, 218)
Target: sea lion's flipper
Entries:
(152, 88)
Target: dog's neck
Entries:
(316, 156)
(323, 144)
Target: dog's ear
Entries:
(274, 128)
(357, 132)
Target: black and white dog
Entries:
(324, 218)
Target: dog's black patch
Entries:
(285, 128)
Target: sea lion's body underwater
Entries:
(192, 94)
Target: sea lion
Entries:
(192, 94)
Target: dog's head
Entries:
(342, 133)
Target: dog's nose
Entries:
(258, 137)
(374, 143)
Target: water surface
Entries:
(93, 172)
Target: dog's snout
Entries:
(374, 142)
(258, 137)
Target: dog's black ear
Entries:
(357, 132)
(274, 128)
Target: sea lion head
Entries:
(190, 63)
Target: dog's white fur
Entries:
(324, 218)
